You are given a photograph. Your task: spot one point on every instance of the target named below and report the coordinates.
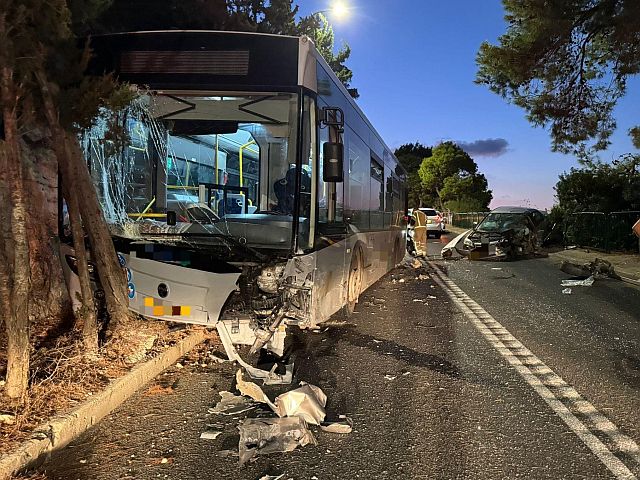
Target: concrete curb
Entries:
(624, 276)
(63, 429)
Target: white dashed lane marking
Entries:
(614, 449)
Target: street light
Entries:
(338, 9)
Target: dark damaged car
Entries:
(505, 232)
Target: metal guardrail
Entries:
(467, 219)
(603, 231)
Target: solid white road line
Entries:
(563, 399)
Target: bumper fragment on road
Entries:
(614, 449)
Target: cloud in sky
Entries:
(490, 147)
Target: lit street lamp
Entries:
(338, 9)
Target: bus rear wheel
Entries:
(355, 281)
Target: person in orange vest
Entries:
(420, 232)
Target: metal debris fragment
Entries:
(567, 291)
(587, 282)
(262, 436)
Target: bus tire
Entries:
(355, 281)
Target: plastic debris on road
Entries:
(262, 436)
(307, 402)
(210, 434)
(252, 390)
(231, 404)
(343, 426)
(587, 282)
(567, 291)
(272, 477)
(390, 377)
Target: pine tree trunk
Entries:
(111, 274)
(87, 314)
(88, 311)
(16, 272)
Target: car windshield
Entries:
(499, 222)
(429, 212)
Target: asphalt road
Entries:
(429, 394)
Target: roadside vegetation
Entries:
(444, 177)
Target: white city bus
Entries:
(253, 193)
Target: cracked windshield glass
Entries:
(320, 239)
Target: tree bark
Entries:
(112, 276)
(16, 272)
(87, 314)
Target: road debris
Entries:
(210, 434)
(587, 282)
(307, 402)
(423, 277)
(566, 291)
(390, 377)
(262, 436)
(272, 477)
(496, 268)
(252, 390)
(599, 268)
(343, 426)
(231, 404)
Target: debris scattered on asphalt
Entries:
(431, 297)
(179, 366)
(343, 426)
(252, 390)
(587, 282)
(402, 280)
(390, 377)
(231, 404)
(496, 268)
(210, 434)
(567, 291)
(599, 268)
(262, 436)
(423, 277)
(377, 341)
(271, 477)
(307, 401)
(418, 300)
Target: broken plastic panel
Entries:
(262, 436)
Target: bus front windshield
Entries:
(206, 158)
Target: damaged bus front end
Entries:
(228, 205)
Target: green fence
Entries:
(467, 219)
(604, 231)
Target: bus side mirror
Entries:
(333, 160)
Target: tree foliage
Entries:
(453, 175)
(566, 62)
(601, 187)
(410, 156)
